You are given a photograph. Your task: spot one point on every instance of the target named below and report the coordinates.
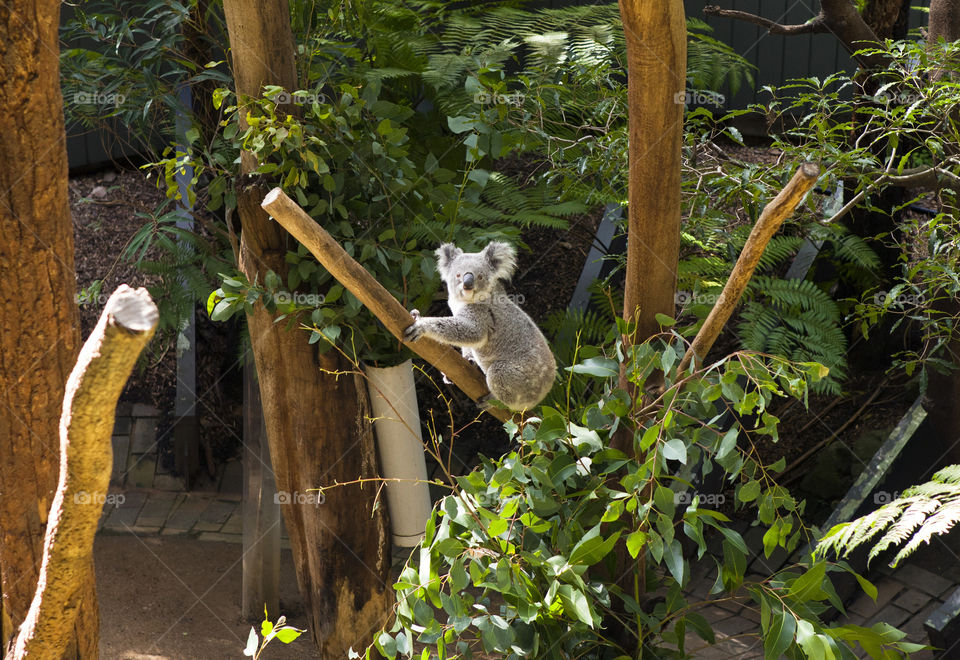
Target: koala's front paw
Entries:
(415, 331)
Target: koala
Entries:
(490, 328)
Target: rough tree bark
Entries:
(39, 323)
(944, 388)
(887, 18)
(316, 412)
(656, 38)
(944, 20)
(86, 458)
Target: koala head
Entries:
(473, 276)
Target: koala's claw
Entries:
(415, 330)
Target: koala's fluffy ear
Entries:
(446, 253)
(502, 258)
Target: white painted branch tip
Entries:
(132, 309)
(270, 197)
(810, 170)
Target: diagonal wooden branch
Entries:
(773, 215)
(374, 297)
(923, 177)
(813, 26)
(86, 424)
(837, 17)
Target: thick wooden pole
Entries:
(86, 458)
(315, 407)
(39, 320)
(371, 293)
(773, 215)
(656, 38)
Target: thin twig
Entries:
(813, 26)
(823, 443)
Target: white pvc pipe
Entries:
(400, 445)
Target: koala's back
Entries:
(516, 357)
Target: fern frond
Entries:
(909, 520)
(924, 511)
(797, 320)
(948, 475)
(941, 522)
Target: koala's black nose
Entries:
(468, 281)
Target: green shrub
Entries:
(520, 560)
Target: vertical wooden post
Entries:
(316, 410)
(261, 508)
(186, 426)
(656, 38)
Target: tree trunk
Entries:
(656, 40)
(86, 424)
(39, 322)
(887, 18)
(315, 410)
(943, 389)
(656, 37)
(944, 20)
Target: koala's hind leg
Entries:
(509, 385)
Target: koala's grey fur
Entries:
(492, 330)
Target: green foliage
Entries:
(390, 184)
(891, 133)
(397, 139)
(183, 260)
(269, 631)
(574, 336)
(519, 561)
(919, 514)
(554, 81)
(712, 64)
(125, 61)
(795, 319)
(121, 71)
